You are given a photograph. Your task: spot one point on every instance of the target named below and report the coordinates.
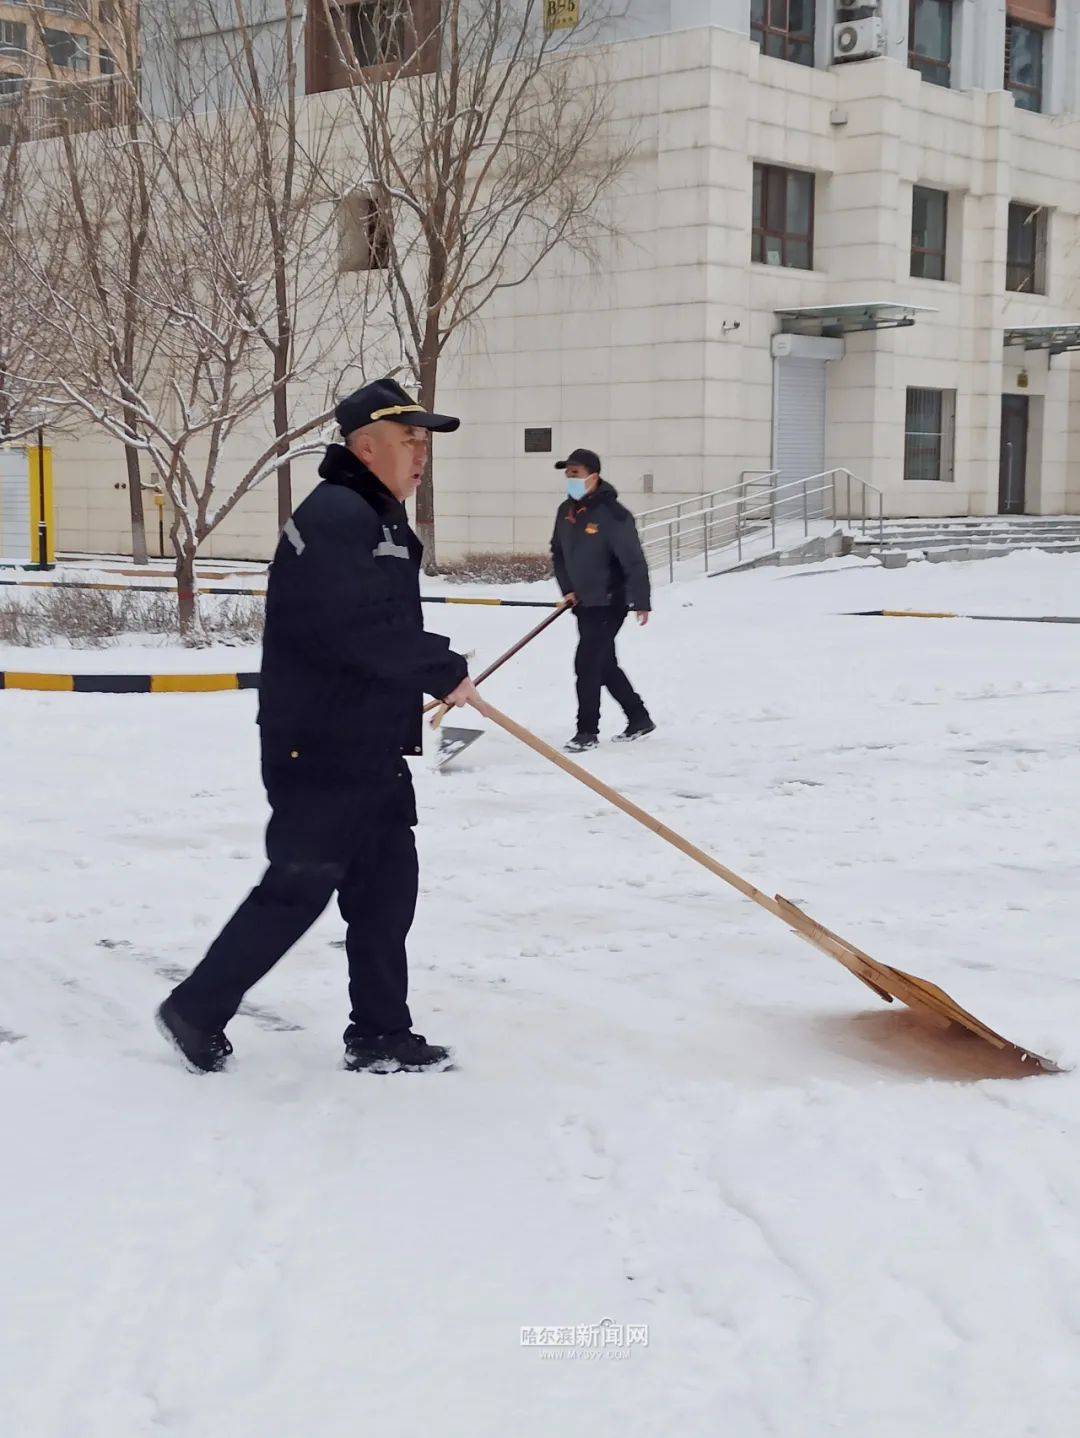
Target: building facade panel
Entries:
(660, 353)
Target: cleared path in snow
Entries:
(669, 1111)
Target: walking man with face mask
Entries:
(598, 559)
(346, 660)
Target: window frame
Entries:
(761, 233)
(761, 28)
(11, 49)
(364, 234)
(1014, 87)
(353, 15)
(324, 70)
(1020, 269)
(80, 49)
(924, 63)
(943, 435)
(924, 251)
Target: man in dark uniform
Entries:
(598, 558)
(346, 660)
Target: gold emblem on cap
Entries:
(396, 409)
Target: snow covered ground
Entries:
(668, 1112)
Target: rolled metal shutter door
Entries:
(799, 424)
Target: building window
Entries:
(106, 63)
(68, 52)
(1025, 260)
(402, 34)
(11, 85)
(784, 29)
(783, 221)
(928, 434)
(930, 27)
(1024, 64)
(376, 30)
(363, 234)
(12, 39)
(929, 219)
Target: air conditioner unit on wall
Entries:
(859, 39)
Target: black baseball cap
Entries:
(585, 457)
(385, 399)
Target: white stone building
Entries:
(931, 182)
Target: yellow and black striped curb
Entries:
(127, 683)
(167, 588)
(983, 618)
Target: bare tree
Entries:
(292, 181)
(26, 396)
(16, 385)
(205, 296)
(100, 196)
(485, 143)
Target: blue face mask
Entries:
(575, 488)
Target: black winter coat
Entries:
(346, 658)
(597, 553)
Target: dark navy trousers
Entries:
(334, 828)
(596, 667)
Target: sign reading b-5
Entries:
(561, 14)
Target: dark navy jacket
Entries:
(346, 658)
(597, 553)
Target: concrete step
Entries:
(1000, 524)
(897, 555)
(979, 537)
(941, 541)
(991, 532)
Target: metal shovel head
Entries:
(454, 742)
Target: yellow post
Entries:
(159, 500)
(33, 455)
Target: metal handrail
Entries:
(738, 499)
(681, 504)
(865, 488)
(705, 500)
(765, 476)
(727, 518)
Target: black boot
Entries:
(403, 1052)
(580, 742)
(205, 1052)
(636, 729)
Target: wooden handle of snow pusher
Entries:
(628, 807)
(560, 608)
(886, 982)
(815, 934)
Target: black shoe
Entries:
(207, 1053)
(636, 729)
(580, 742)
(403, 1052)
